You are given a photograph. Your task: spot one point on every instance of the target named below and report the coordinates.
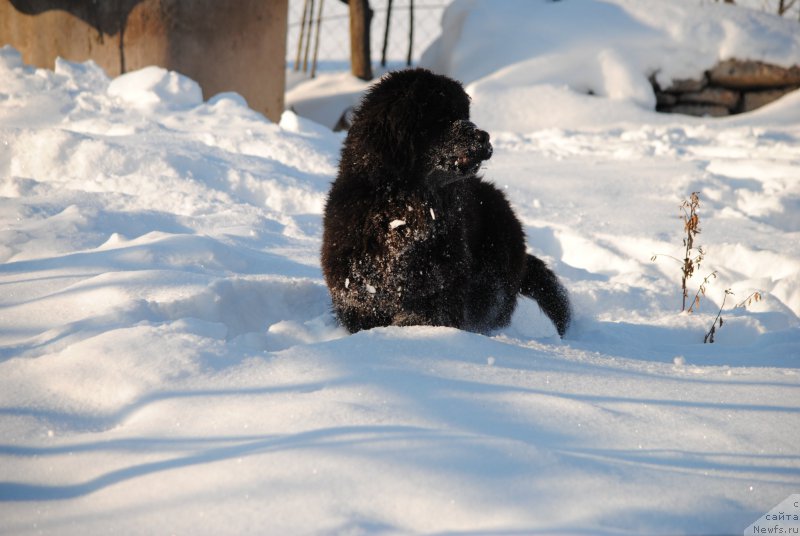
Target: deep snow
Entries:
(169, 364)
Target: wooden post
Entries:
(237, 45)
(360, 64)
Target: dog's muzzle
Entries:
(474, 143)
(483, 147)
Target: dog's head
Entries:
(417, 123)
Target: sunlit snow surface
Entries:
(169, 362)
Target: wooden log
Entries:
(756, 99)
(665, 99)
(748, 74)
(711, 95)
(698, 110)
(686, 84)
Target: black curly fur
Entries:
(411, 234)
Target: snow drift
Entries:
(169, 363)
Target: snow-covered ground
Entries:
(169, 363)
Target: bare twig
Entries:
(701, 290)
(709, 338)
(754, 296)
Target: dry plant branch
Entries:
(691, 226)
(754, 296)
(718, 320)
(701, 290)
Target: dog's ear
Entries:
(391, 125)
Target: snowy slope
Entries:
(169, 364)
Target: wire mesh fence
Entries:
(789, 9)
(329, 37)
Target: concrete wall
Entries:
(225, 45)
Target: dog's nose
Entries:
(483, 139)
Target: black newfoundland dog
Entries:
(411, 234)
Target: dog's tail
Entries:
(541, 284)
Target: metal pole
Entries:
(308, 37)
(316, 41)
(410, 31)
(386, 33)
(300, 40)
